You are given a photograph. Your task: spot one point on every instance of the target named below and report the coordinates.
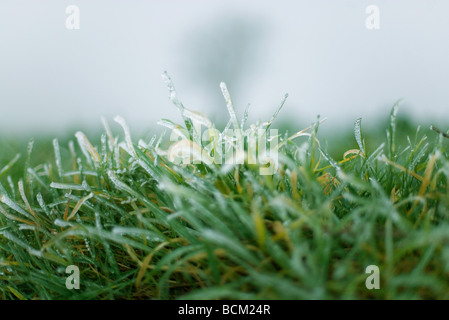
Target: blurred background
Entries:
(54, 81)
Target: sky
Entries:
(320, 52)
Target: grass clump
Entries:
(140, 221)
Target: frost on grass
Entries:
(141, 225)
(235, 145)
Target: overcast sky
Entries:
(320, 52)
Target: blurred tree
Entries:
(225, 50)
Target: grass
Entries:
(139, 226)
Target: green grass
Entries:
(139, 226)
